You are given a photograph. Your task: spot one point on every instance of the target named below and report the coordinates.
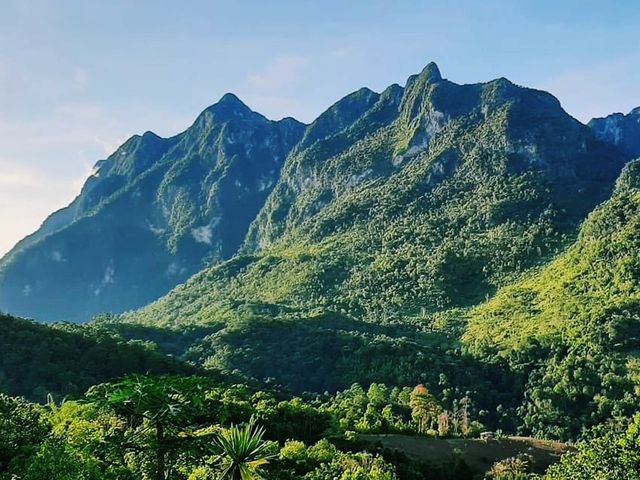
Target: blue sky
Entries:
(79, 77)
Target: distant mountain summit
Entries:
(151, 215)
(620, 130)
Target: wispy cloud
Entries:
(17, 179)
(27, 195)
(281, 73)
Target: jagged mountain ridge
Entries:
(417, 211)
(152, 214)
(397, 147)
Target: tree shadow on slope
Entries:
(329, 352)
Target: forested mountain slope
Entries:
(65, 359)
(429, 234)
(377, 240)
(574, 326)
(151, 215)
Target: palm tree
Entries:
(242, 452)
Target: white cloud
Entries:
(281, 73)
(27, 196)
(17, 179)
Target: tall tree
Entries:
(163, 404)
(424, 408)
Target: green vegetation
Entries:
(377, 243)
(461, 238)
(572, 327)
(609, 455)
(64, 359)
(173, 427)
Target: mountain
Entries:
(431, 196)
(573, 327)
(620, 130)
(151, 215)
(378, 238)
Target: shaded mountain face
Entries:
(428, 197)
(64, 360)
(620, 130)
(151, 215)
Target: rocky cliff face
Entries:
(620, 130)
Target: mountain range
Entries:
(475, 238)
(459, 171)
(151, 215)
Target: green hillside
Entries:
(436, 196)
(446, 197)
(65, 360)
(575, 325)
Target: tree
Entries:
(464, 415)
(242, 452)
(512, 468)
(444, 423)
(162, 404)
(424, 408)
(22, 428)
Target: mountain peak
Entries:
(227, 108)
(428, 76)
(431, 72)
(230, 98)
(230, 102)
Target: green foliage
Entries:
(381, 233)
(22, 429)
(513, 468)
(166, 404)
(424, 408)
(572, 327)
(242, 452)
(174, 428)
(65, 360)
(609, 456)
(391, 221)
